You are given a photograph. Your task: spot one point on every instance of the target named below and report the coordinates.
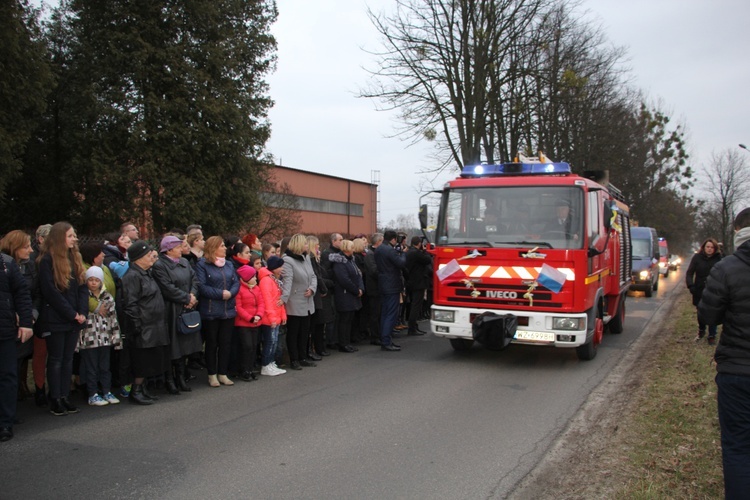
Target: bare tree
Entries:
(438, 60)
(573, 77)
(728, 187)
(486, 79)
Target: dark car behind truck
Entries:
(645, 276)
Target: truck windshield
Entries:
(512, 216)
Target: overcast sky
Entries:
(692, 55)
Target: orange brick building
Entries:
(330, 204)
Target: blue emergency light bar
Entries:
(548, 168)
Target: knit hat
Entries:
(246, 273)
(274, 262)
(95, 272)
(169, 242)
(138, 249)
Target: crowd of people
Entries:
(122, 318)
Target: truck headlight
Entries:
(566, 324)
(645, 275)
(444, 316)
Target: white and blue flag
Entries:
(551, 279)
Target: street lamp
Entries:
(745, 148)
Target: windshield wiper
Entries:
(529, 243)
(472, 243)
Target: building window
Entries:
(312, 204)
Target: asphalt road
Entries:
(426, 422)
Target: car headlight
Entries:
(567, 323)
(645, 275)
(662, 264)
(445, 316)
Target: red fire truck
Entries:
(532, 241)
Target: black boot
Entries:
(180, 371)
(68, 405)
(146, 393)
(40, 397)
(171, 387)
(137, 395)
(56, 407)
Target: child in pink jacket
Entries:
(275, 314)
(250, 310)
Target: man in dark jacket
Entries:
(15, 298)
(726, 300)
(418, 264)
(390, 262)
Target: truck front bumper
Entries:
(534, 327)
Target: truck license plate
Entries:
(534, 336)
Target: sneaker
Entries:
(279, 370)
(125, 390)
(269, 371)
(111, 399)
(699, 336)
(711, 340)
(96, 400)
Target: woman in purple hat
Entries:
(179, 287)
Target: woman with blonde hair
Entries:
(65, 308)
(360, 325)
(218, 286)
(196, 243)
(322, 295)
(299, 286)
(347, 293)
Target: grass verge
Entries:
(671, 442)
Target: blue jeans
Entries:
(270, 338)
(734, 418)
(388, 316)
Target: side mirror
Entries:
(423, 216)
(598, 246)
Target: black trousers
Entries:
(218, 335)
(248, 339)
(60, 349)
(297, 335)
(415, 312)
(374, 317)
(344, 327)
(8, 382)
(318, 332)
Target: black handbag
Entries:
(189, 322)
